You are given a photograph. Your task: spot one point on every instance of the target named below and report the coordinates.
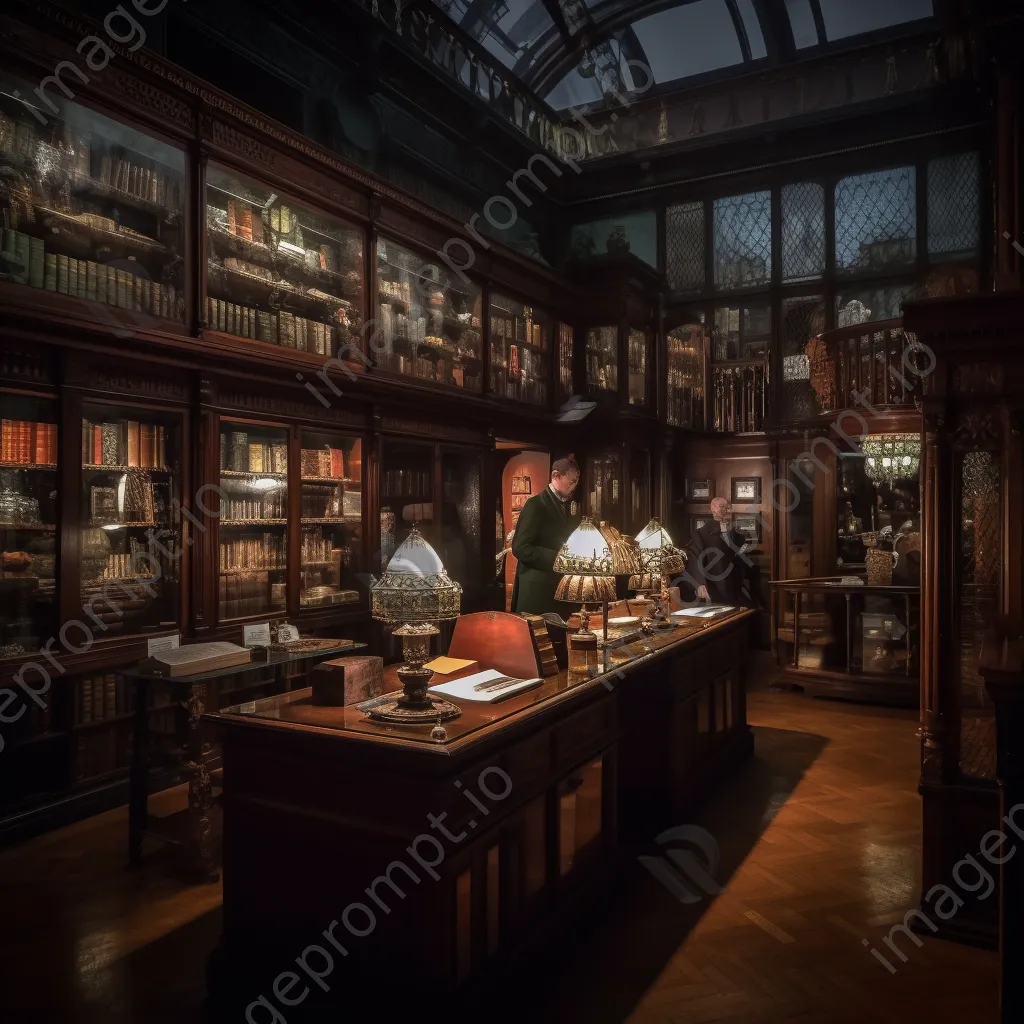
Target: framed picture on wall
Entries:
(518, 501)
(522, 485)
(749, 526)
(699, 490)
(696, 522)
(746, 490)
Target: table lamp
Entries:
(414, 593)
(585, 562)
(660, 560)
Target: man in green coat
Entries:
(544, 526)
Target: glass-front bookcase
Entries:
(91, 208)
(638, 354)
(278, 272)
(131, 517)
(331, 536)
(602, 358)
(406, 494)
(602, 475)
(429, 324)
(520, 350)
(566, 384)
(459, 534)
(685, 352)
(28, 522)
(253, 525)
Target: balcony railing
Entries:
(871, 364)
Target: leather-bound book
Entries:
(244, 216)
(345, 681)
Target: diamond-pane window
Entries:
(876, 220)
(743, 240)
(684, 247)
(954, 207)
(803, 232)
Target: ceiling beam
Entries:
(558, 17)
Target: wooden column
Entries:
(1002, 666)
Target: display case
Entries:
(638, 344)
(406, 494)
(130, 545)
(602, 358)
(90, 208)
(740, 340)
(685, 357)
(847, 639)
(278, 272)
(429, 324)
(331, 520)
(602, 478)
(520, 350)
(566, 384)
(253, 536)
(459, 536)
(28, 522)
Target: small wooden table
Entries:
(192, 695)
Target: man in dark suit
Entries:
(544, 526)
(717, 564)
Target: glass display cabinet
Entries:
(639, 359)
(740, 340)
(406, 494)
(520, 351)
(130, 549)
(842, 638)
(90, 208)
(253, 534)
(459, 540)
(686, 353)
(278, 272)
(331, 520)
(28, 522)
(602, 358)
(429, 324)
(603, 490)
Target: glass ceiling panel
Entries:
(843, 18)
(689, 40)
(753, 29)
(508, 29)
(574, 91)
(801, 19)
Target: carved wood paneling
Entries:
(25, 365)
(978, 379)
(101, 373)
(442, 431)
(978, 431)
(251, 403)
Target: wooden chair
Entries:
(498, 640)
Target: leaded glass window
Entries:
(803, 232)
(864, 305)
(684, 247)
(876, 220)
(743, 240)
(954, 207)
(802, 319)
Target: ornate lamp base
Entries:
(415, 706)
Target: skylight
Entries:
(689, 40)
(801, 19)
(509, 29)
(843, 18)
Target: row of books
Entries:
(28, 444)
(29, 263)
(136, 179)
(284, 329)
(124, 443)
(270, 505)
(99, 698)
(518, 329)
(250, 595)
(323, 462)
(239, 455)
(261, 551)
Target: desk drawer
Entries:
(584, 732)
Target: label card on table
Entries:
(163, 643)
(286, 633)
(256, 636)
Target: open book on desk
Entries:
(489, 687)
(703, 611)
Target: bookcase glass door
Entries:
(603, 358)
(429, 323)
(253, 566)
(279, 273)
(331, 538)
(130, 550)
(459, 536)
(565, 363)
(639, 363)
(406, 494)
(94, 209)
(28, 523)
(520, 350)
(685, 393)
(603, 482)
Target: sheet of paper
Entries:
(162, 643)
(703, 611)
(464, 689)
(257, 635)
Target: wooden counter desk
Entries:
(435, 856)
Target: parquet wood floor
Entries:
(820, 848)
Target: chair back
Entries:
(498, 640)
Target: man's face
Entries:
(565, 483)
(721, 509)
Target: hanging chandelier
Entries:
(891, 457)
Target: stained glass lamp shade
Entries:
(585, 562)
(414, 593)
(660, 560)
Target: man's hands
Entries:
(702, 593)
